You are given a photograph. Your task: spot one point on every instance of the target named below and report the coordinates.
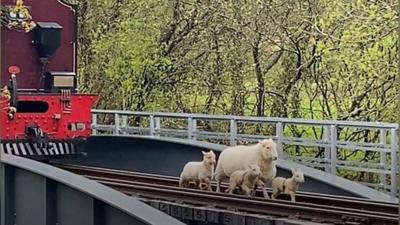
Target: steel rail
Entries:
(275, 208)
(306, 197)
(223, 194)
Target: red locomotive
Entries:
(42, 115)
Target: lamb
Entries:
(199, 172)
(244, 179)
(239, 157)
(287, 186)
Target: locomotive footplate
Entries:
(52, 149)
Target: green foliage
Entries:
(323, 59)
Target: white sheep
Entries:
(288, 186)
(239, 157)
(244, 179)
(199, 172)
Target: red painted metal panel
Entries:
(55, 121)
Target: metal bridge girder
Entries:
(39, 194)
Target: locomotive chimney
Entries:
(47, 38)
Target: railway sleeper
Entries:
(207, 215)
(354, 220)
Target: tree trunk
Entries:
(260, 77)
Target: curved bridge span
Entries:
(167, 156)
(356, 149)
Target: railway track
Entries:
(311, 207)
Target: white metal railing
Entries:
(386, 144)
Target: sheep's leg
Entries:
(207, 181)
(219, 176)
(275, 192)
(202, 186)
(292, 196)
(182, 183)
(201, 183)
(196, 183)
(274, 195)
(259, 183)
(264, 190)
(232, 187)
(246, 190)
(212, 171)
(253, 191)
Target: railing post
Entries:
(233, 132)
(190, 128)
(117, 125)
(124, 124)
(393, 166)
(382, 162)
(158, 126)
(152, 126)
(327, 149)
(279, 138)
(194, 129)
(94, 124)
(333, 154)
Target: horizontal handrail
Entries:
(253, 119)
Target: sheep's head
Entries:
(254, 170)
(298, 176)
(209, 157)
(268, 149)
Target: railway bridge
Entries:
(129, 175)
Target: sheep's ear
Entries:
(293, 171)
(259, 142)
(211, 151)
(203, 152)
